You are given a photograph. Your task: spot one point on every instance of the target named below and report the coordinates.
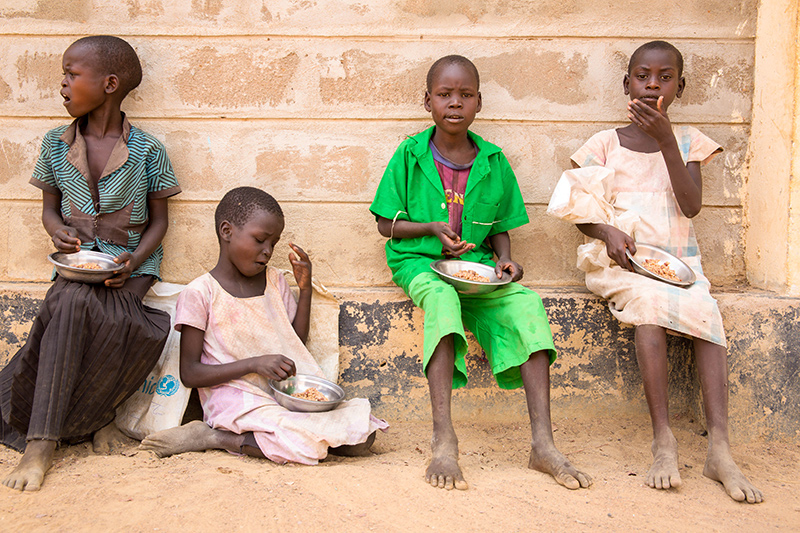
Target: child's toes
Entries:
(568, 481)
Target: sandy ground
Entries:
(216, 491)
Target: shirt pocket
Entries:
(484, 215)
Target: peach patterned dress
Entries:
(239, 328)
(632, 191)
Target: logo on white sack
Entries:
(166, 386)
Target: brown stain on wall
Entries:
(340, 169)
(12, 158)
(375, 79)
(472, 10)
(552, 76)
(206, 9)
(475, 10)
(74, 11)
(41, 69)
(239, 79)
(5, 90)
(144, 8)
(707, 75)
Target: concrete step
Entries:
(596, 374)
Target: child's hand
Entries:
(507, 265)
(654, 122)
(301, 267)
(119, 279)
(616, 243)
(273, 366)
(451, 242)
(66, 240)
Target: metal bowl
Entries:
(647, 251)
(283, 390)
(64, 266)
(447, 268)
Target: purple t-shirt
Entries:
(454, 180)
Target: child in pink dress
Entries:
(642, 183)
(240, 326)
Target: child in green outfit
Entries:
(448, 193)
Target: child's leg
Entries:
(196, 436)
(29, 473)
(651, 353)
(444, 332)
(712, 365)
(545, 457)
(443, 472)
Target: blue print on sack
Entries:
(167, 386)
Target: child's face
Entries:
(654, 74)
(453, 99)
(83, 88)
(250, 246)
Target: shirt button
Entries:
(443, 206)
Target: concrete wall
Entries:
(310, 99)
(773, 192)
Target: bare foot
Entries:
(354, 450)
(664, 473)
(35, 462)
(195, 436)
(109, 439)
(546, 458)
(444, 472)
(720, 467)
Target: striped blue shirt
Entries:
(110, 214)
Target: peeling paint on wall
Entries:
(554, 76)
(211, 78)
(358, 76)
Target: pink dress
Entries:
(632, 191)
(239, 328)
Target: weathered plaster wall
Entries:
(773, 201)
(310, 99)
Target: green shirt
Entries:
(411, 189)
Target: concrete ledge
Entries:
(380, 335)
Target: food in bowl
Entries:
(312, 394)
(471, 275)
(88, 266)
(660, 269)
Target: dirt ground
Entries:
(216, 491)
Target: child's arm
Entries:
(687, 183)
(302, 274)
(617, 242)
(64, 237)
(405, 229)
(151, 237)
(501, 244)
(196, 374)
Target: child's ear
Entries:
(480, 102)
(427, 101)
(225, 231)
(626, 82)
(112, 83)
(681, 87)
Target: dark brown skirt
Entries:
(89, 349)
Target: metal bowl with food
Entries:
(301, 383)
(86, 266)
(448, 268)
(646, 252)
